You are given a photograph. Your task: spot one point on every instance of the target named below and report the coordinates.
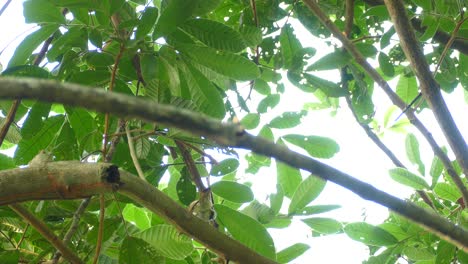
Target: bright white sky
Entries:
(358, 156)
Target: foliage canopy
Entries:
(227, 60)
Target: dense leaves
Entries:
(239, 61)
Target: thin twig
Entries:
(73, 227)
(131, 148)
(45, 231)
(4, 7)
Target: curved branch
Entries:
(73, 180)
(429, 86)
(223, 133)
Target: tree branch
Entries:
(73, 180)
(46, 232)
(351, 48)
(229, 134)
(429, 86)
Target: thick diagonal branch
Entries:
(228, 134)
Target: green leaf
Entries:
(412, 151)
(268, 103)
(10, 256)
(224, 167)
(135, 250)
(259, 212)
(407, 88)
(367, 50)
(250, 121)
(445, 252)
(35, 119)
(142, 147)
(331, 89)
(262, 87)
(379, 11)
(417, 253)
(205, 6)
(167, 241)
(287, 177)
(147, 21)
(228, 64)
(6, 162)
(26, 71)
(447, 191)
(246, 230)
(186, 190)
(317, 209)
(409, 179)
(30, 43)
(323, 225)
(85, 128)
(290, 46)
(98, 59)
(306, 192)
(276, 199)
(385, 65)
(369, 234)
(174, 14)
(287, 120)
(203, 93)
(252, 35)
(335, 60)
(436, 169)
(28, 148)
(214, 34)
(292, 252)
(137, 215)
(316, 146)
(233, 191)
(42, 11)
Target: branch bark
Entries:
(351, 48)
(429, 86)
(73, 180)
(228, 134)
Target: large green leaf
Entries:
(316, 146)
(233, 191)
(288, 254)
(287, 177)
(250, 121)
(202, 92)
(407, 88)
(409, 179)
(447, 191)
(287, 120)
(329, 88)
(175, 13)
(214, 34)
(224, 167)
(42, 11)
(28, 148)
(6, 162)
(246, 230)
(306, 192)
(228, 64)
(85, 128)
(135, 251)
(323, 225)
(30, 43)
(137, 215)
(369, 234)
(167, 241)
(334, 60)
(147, 21)
(412, 151)
(290, 47)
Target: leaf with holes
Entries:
(316, 146)
(369, 234)
(224, 167)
